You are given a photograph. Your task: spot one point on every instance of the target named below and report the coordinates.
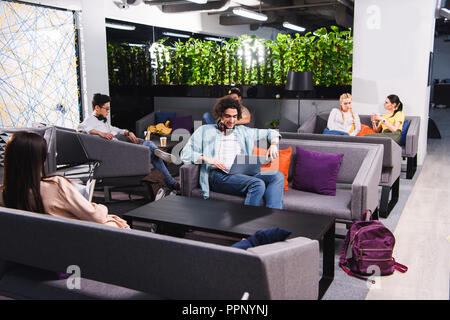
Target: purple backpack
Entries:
(367, 250)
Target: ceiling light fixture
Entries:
(214, 39)
(176, 35)
(120, 26)
(294, 27)
(250, 14)
(198, 1)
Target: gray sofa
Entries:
(357, 183)
(391, 169)
(131, 264)
(317, 123)
(120, 163)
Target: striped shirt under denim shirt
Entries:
(227, 146)
(203, 143)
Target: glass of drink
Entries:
(163, 141)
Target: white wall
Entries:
(392, 43)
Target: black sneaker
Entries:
(166, 157)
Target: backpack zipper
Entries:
(361, 250)
(375, 259)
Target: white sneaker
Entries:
(167, 157)
(162, 192)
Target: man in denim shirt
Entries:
(214, 147)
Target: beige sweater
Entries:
(64, 200)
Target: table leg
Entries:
(171, 230)
(328, 261)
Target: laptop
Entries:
(249, 165)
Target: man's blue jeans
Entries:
(159, 164)
(268, 185)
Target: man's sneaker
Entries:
(162, 192)
(167, 157)
(176, 188)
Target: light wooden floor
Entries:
(423, 231)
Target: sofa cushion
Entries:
(365, 130)
(321, 124)
(281, 163)
(338, 206)
(181, 123)
(303, 201)
(37, 283)
(316, 171)
(404, 132)
(261, 237)
(162, 117)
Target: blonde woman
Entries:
(343, 121)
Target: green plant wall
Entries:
(246, 60)
(129, 65)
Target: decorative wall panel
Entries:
(38, 66)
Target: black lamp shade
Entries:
(299, 81)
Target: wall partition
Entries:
(39, 76)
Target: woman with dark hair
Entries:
(26, 187)
(389, 124)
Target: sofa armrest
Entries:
(412, 137)
(117, 158)
(143, 123)
(308, 126)
(189, 178)
(365, 184)
(283, 260)
(5, 266)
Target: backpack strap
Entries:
(347, 271)
(364, 215)
(400, 267)
(343, 256)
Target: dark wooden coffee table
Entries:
(175, 213)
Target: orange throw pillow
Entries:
(279, 164)
(365, 130)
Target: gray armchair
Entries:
(392, 161)
(120, 163)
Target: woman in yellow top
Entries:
(389, 124)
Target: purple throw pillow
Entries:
(181, 122)
(316, 171)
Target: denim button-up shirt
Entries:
(203, 143)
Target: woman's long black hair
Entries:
(398, 104)
(25, 155)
